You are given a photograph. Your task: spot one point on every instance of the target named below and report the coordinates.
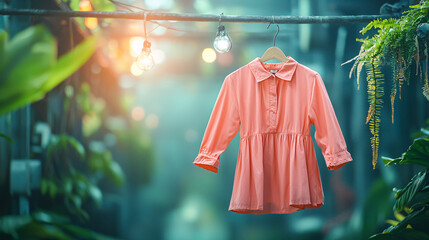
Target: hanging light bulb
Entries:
(145, 59)
(222, 42)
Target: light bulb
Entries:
(222, 42)
(145, 59)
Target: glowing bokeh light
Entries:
(137, 113)
(145, 61)
(135, 70)
(156, 4)
(136, 46)
(222, 44)
(209, 55)
(158, 56)
(91, 23)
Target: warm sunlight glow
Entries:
(135, 70)
(209, 55)
(159, 31)
(158, 56)
(91, 23)
(137, 113)
(136, 46)
(145, 61)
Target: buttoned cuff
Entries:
(207, 162)
(338, 159)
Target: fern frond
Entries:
(426, 86)
(375, 79)
(400, 75)
(358, 62)
(416, 56)
(394, 87)
(426, 90)
(371, 111)
(358, 70)
(392, 98)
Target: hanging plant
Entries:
(396, 43)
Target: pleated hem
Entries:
(260, 210)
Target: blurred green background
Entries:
(116, 145)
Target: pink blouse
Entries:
(275, 104)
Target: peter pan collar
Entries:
(286, 71)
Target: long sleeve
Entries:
(222, 127)
(328, 132)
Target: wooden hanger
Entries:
(274, 52)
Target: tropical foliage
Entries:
(64, 179)
(71, 172)
(413, 199)
(44, 225)
(396, 44)
(29, 67)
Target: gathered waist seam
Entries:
(276, 133)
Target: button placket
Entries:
(273, 102)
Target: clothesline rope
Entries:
(194, 17)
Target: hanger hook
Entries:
(278, 30)
(275, 36)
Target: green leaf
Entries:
(36, 230)
(9, 224)
(71, 62)
(53, 189)
(67, 186)
(95, 193)
(61, 143)
(75, 144)
(17, 48)
(420, 221)
(74, 5)
(407, 194)
(76, 200)
(390, 161)
(417, 153)
(103, 5)
(7, 138)
(50, 217)
(408, 234)
(81, 186)
(115, 173)
(104, 163)
(416, 219)
(4, 38)
(32, 70)
(29, 67)
(415, 6)
(85, 233)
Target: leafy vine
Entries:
(396, 42)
